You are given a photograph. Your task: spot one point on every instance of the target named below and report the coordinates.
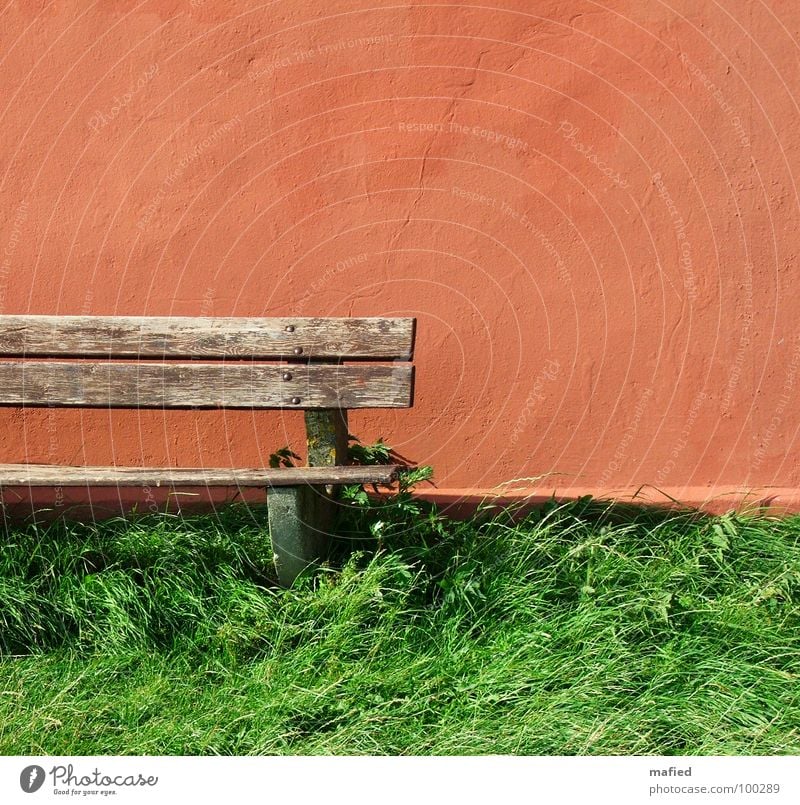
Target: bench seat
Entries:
(57, 475)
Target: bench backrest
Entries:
(141, 362)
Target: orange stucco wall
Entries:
(591, 208)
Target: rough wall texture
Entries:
(590, 207)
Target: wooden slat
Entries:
(185, 337)
(52, 475)
(203, 385)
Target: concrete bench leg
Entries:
(300, 519)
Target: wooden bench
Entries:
(141, 362)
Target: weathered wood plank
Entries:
(56, 475)
(223, 337)
(220, 385)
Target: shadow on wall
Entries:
(46, 504)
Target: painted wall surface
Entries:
(591, 208)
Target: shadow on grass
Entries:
(570, 628)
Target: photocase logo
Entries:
(67, 781)
(31, 779)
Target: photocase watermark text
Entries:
(453, 127)
(569, 132)
(627, 437)
(683, 440)
(20, 216)
(547, 374)
(744, 340)
(719, 97)
(684, 245)
(323, 49)
(522, 219)
(99, 118)
(327, 277)
(180, 169)
(787, 392)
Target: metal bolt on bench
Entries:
(222, 373)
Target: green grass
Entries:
(576, 629)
